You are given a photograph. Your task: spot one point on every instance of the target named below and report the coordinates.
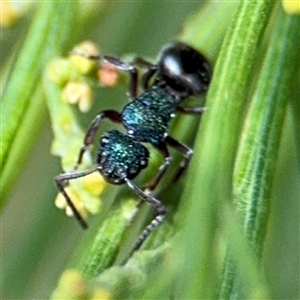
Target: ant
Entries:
(181, 72)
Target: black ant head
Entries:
(183, 71)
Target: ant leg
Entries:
(151, 70)
(116, 62)
(113, 115)
(192, 110)
(156, 204)
(162, 169)
(151, 186)
(133, 83)
(60, 181)
(186, 152)
(88, 56)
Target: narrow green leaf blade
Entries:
(217, 143)
(49, 31)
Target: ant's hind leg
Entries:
(145, 195)
(112, 115)
(191, 110)
(185, 151)
(157, 205)
(152, 185)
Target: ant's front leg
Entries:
(151, 70)
(119, 64)
(64, 178)
(133, 84)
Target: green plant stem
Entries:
(106, 243)
(295, 110)
(257, 155)
(27, 132)
(216, 145)
(48, 32)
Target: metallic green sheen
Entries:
(120, 157)
(147, 118)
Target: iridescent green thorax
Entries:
(120, 157)
(147, 117)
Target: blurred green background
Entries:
(37, 239)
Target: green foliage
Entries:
(233, 225)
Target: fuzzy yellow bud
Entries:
(12, 11)
(71, 286)
(94, 183)
(102, 294)
(79, 57)
(60, 71)
(291, 6)
(60, 202)
(78, 93)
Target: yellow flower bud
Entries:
(94, 183)
(78, 92)
(59, 71)
(291, 6)
(79, 57)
